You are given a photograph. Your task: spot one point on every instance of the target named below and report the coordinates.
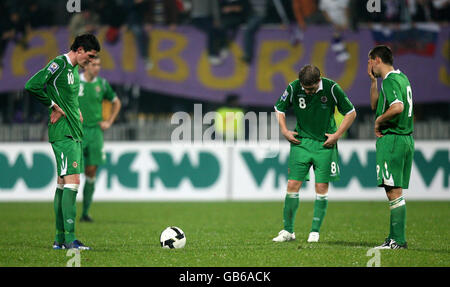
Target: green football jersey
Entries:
(59, 82)
(90, 97)
(396, 88)
(315, 112)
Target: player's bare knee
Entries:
(393, 192)
(72, 179)
(321, 188)
(90, 171)
(293, 185)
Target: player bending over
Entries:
(313, 143)
(56, 86)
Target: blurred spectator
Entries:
(337, 13)
(138, 21)
(396, 11)
(166, 11)
(37, 12)
(358, 13)
(305, 11)
(258, 12)
(232, 16)
(5, 30)
(419, 10)
(87, 21)
(111, 14)
(441, 10)
(13, 26)
(205, 16)
(229, 121)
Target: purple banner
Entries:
(181, 65)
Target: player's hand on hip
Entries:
(331, 140)
(104, 125)
(290, 136)
(56, 114)
(378, 133)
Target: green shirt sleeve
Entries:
(36, 84)
(342, 102)
(285, 101)
(110, 95)
(391, 91)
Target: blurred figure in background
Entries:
(229, 122)
(441, 10)
(111, 15)
(93, 90)
(205, 16)
(232, 16)
(396, 11)
(87, 21)
(337, 13)
(5, 31)
(258, 12)
(165, 12)
(303, 11)
(138, 22)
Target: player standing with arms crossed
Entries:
(93, 90)
(56, 86)
(313, 143)
(395, 144)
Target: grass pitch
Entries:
(225, 234)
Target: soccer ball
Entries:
(172, 237)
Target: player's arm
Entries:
(280, 107)
(36, 87)
(346, 108)
(395, 101)
(116, 105)
(394, 110)
(373, 88)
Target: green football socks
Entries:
(398, 220)
(291, 203)
(320, 209)
(59, 220)
(69, 211)
(88, 193)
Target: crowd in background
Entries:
(218, 19)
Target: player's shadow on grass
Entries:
(352, 244)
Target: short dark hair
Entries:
(384, 53)
(87, 41)
(309, 75)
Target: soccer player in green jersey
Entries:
(56, 86)
(395, 144)
(93, 90)
(313, 143)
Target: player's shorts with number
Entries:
(394, 156)
(93, 146)
(312, 153)
(69, 159)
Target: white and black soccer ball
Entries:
(172, 237)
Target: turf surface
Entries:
(230, 234)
